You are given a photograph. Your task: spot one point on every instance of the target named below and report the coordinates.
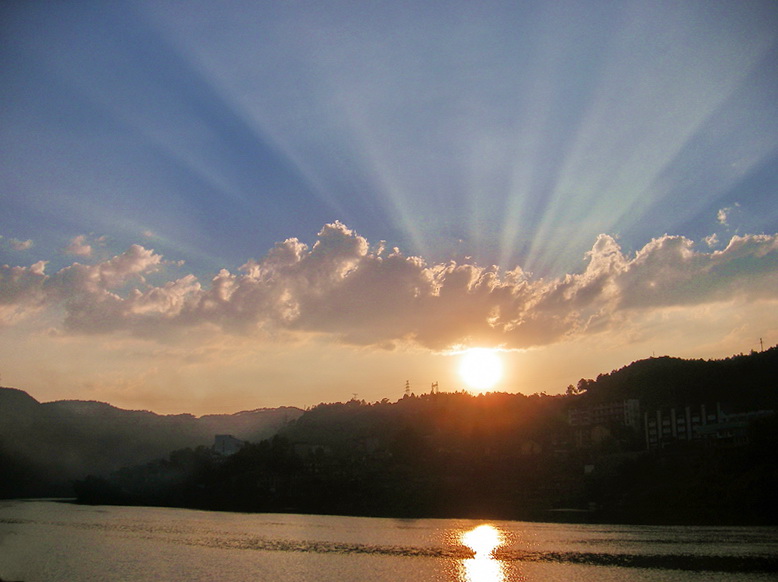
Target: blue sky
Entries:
(513, 134)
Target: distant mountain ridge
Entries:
(43, 446)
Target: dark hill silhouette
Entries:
(14, 402)
(739, 383)
(44, 446)
(493, 455)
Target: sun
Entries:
(480, 368)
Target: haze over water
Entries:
(57, 542)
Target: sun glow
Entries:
(483, 540)
(481, 368)
(482, 567)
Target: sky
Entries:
(217, 206)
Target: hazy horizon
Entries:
(306, 406)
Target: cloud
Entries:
(78, 246)
(724, 214)
(20, 245)
(669, 272)
(86, 291)
(711, 240)
(21, 291)
(361, 294)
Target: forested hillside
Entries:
(494, 455)
(444, 454)
(743, 382)
(43, 447)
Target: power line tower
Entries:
(434, 389)
(407, 387)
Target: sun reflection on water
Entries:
(483, 567)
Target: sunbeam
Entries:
(386, 177)
(521, 168)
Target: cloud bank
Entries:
(369, 295)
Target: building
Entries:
(593, 423)
(615, 412)
(698, 422)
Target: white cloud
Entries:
(358, 294)
(711, 240)
(725, 214)
(79, 246)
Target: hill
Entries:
(496, 455)
(743, 382)
(44, 446)
(499, 456)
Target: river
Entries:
(49, 541)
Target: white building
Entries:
(698, 422)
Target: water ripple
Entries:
(221, 540)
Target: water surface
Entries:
(50, 541)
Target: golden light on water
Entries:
(483, 540)
(481, 368)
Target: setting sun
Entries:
(481, 368)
